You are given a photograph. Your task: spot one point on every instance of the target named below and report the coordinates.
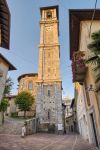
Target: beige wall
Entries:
(84, 41)
(4, 69)
(12, 107)
(84, 34)
(24, 86)
(90, 78)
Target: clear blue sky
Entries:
(25, 36)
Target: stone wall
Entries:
(49, 107)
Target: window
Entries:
(49, 93)
(30, 85)
(1, 73)
(49, 14)
(48, 114)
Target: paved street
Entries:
(12, 126)
(43, 142)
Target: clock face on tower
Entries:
(48, 34)
(49, 28)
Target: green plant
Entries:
(3, 107)
(14, 114)
(94, 58)
(24, 101)
(8, 86)
(51, 128)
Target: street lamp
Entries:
(91, 88)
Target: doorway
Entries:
(94, 129)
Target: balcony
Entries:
(78, 67)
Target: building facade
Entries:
(28, 82)
(87, 99)
(5, 66)
(68, 121)
(4, 42)
(12, 107)
(82, 118)
(49, 85)
(67, 102)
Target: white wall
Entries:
(81, 115)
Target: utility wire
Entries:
(93, 17)
(22, 58)
(84, 22)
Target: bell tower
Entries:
(49, 94)
(49, 54)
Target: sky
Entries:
(25, 37)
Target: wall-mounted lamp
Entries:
(91, 88)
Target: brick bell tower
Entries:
(49, 93)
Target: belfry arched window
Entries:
(49, 14)
(30, 85)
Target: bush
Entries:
(14, 114)
(51, 128)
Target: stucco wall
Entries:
(4, 69)
(81, 115)
(90, 78)
(24, 86)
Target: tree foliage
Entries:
(3, 107)
(8, 86)
(94, 58)
(24, 100)
(4, 102)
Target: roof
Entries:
(27, 74)
(75, 17)
(5, 24)
(9, 97)
(51, 7)
(11, 67)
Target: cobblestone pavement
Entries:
(44, 142)
(11, 126)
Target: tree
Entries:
(3, 107)
(4, 102)
(8, 86)
(94, 58)
(24, 100)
